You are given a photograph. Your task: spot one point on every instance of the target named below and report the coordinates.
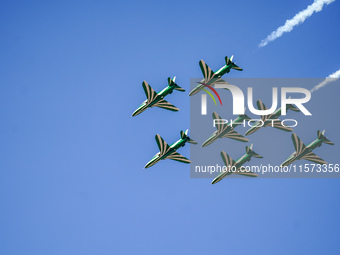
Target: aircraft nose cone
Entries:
(286, 163)
(151, 162)
(148, 165)
(205, 143)
(135, 113)
(209, 141)
(193, 92)
(247, 133)
(215, 181)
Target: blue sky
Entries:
(72, 157)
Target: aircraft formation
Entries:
(224, 130)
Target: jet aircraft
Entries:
(233, 167)
(169, 152)
(157, 99)
(226, 130)
(271, 119)
(305, 152)
(210, 77)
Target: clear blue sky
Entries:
(71, 162)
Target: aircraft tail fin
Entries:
(321, 136)
(172, 83)
(249, 150)
(229, 61)
(185, 135)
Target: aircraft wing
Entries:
(298, 144)
(312, 157)
(262, 107)
(207, 72)
(228, 161)
(236, 136)
(178, 157)
(149, 92)
(277, 124)
(218, 122)
(162, 145)
(229, 164)
(166, 105)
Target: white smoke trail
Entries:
(330, 78)
(296, 20)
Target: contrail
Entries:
(296, 20)
(330, 78)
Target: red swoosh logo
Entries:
(213, 90)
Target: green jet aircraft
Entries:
(232, 167)
(157, 99)
(271, 119)
(210, 77)
(226, 130)
(166, 151)
(305, 152)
